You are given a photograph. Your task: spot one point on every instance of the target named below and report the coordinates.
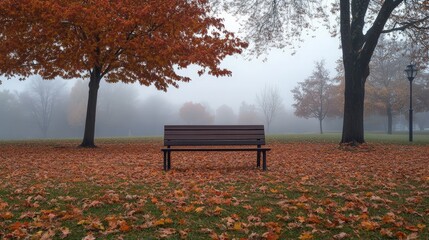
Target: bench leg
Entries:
(169, 160)
(258, 159)
(165, 160)
(264, 160)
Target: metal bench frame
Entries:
(189, 138)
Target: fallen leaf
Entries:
(64, 232)
(306, 236)
(369, 225)
(265, 210)
(341, 235)
(166, 232)
(237, 226)
(199, 209)
(6, 215)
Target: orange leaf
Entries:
(6, 215)
(199, 209)
(306, 236)
(265, 210)
(124, 227)
(369, 226)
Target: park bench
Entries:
(191, 138)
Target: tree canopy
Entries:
(143, 41)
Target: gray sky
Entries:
(249, 76)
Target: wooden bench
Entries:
(191, 138)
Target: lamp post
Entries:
(411, 72)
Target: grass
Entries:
(419, 137)
(370, 137)
(313, 190)
(262, 211)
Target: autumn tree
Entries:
(195, 113)
(269, 102)
(277, 23)
(315, 95)
(144, 41)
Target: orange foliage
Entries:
(143, 41)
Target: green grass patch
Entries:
(419, 138)
(236, 210)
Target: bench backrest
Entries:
(208, 135)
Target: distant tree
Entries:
(195, 113)
(270, 102)
(387, 85)
(128, 41)
(225, 115)
(248, 114)
(41, 98)
(314, 97)
(277, 23)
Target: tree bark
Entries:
(320, 126)
(354, 96)
(94, 84)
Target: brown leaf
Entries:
(166, 232)
(64, 232)
(341, 235)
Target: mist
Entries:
(123, 111)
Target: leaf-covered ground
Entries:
(119, 191)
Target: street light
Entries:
(411, 72)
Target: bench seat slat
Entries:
(214, 132)
(214, 137)
(212, 142)
(214, 149)
(217, 127)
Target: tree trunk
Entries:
(357, 49)
(94, 84)
(354, 96)
(320, 125)
(389, 120)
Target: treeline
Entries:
(49, 109)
